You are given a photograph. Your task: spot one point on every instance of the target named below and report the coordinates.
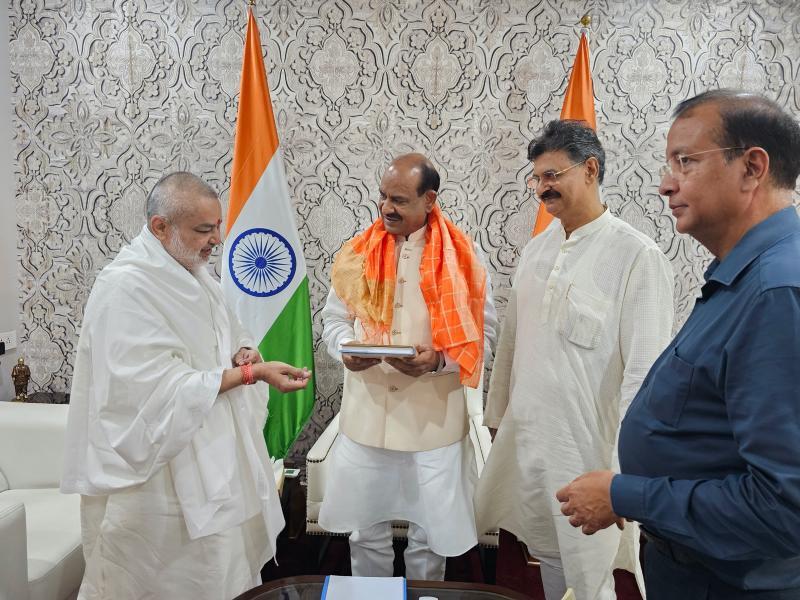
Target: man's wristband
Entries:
(247, 374)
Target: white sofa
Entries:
(40, 529)
(317, 470)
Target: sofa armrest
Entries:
(322, 447)
(317, 464)
(481, 441)
(474, 399)
(14, 557)
(32, 443)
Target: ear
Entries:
(158, 227)
(592, 169)
(756, 162)
(430, 200)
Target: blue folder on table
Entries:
(364, 588)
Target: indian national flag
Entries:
(264, 273)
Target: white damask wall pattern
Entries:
(110, 94)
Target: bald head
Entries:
(419, 163)
(175, 195)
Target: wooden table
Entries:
(309, 587)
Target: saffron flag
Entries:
(578, 105)
(264, 272)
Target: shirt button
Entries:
(556, 268)
(401, 280)
(395, 332)
(393, 388)
(398, 305)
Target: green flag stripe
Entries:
(289, 340)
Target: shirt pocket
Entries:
(670, 388)
(584, 318)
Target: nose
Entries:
(668, 185)
(534, 186)
(216, 236)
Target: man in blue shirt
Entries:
(710, 447)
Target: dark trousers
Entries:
(666, 579)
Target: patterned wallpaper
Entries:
(110, 94)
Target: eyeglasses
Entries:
(679, 162)
(550, 177)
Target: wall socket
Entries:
(10, 338)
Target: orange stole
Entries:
(452, 282)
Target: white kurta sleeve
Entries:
(337, 325)
(145, 401)
(500, 381)
(646, 323)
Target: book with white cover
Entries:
(377, 350)
(364, 588)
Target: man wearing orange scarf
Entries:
(411, 278)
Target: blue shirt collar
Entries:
(754, 243)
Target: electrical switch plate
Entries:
(10, 339)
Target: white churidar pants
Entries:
(372, 555)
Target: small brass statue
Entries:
(21, 374)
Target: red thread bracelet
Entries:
(247, 374)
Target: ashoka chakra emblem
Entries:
(261, 262)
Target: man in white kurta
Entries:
(404, 451)
(590, 310)
(164, 439)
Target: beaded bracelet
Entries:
(247, 374)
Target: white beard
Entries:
(189, 259)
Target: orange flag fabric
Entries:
(578, 105)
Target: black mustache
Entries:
(391, 216)
(550, 194)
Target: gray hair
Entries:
(168, 198)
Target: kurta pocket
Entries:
(667, 403)
(584, 318)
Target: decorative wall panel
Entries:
(110, 94)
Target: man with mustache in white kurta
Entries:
(590, 310)
(164, 439)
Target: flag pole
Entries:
(584, 22)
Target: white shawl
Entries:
(154, 343)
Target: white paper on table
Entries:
(364, 588)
